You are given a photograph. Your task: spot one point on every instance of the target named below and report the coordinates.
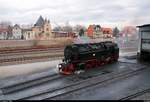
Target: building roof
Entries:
(40, 21)
(107, 29)
(25, 30)
(16, 25)
(145, 25)
(3, 30)
(93, 27)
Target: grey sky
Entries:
(104, 12)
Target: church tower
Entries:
(42, 28)
(47, 28)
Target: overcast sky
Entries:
(103, 12)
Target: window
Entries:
(47, 29)
(28, 35)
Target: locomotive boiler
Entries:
(79, 57)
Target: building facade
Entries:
(94, 31)
(107, 32)
(28, 34)
(60, 34)
(42, 29)
(16, 32)
(144, 41)
(3, 34)
(10, 35)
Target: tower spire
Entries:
(40, 21)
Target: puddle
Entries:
(105, 71)
(125, 60)
(94, 75)
(131, 57)
(121, 67)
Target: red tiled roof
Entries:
(3, 30)
(107, 30)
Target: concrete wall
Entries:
(31, 43)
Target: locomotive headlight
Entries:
(59, 66)
(94, 54)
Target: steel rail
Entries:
(49, 94)
(23, 85)
(28, 50)
(136, 94)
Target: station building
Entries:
(144, 41)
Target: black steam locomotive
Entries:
(79, 57)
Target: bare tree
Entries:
(81, 32)
(129, 30)
(5, 24)
(79, 29)
(116, 32)
(58, 28)
(67, 27)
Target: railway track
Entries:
(75, 86)
(88, 83)
(31, 50)
(130, 97)
(7, 55)
(24, 54)
(52, 93)
(26, 84)
(28, 50)
(21, 56)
